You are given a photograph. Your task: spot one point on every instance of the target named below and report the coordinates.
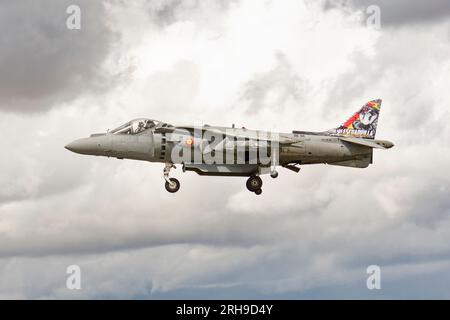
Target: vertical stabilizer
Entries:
(363, 124)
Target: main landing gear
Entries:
(172, 185)
(254, 184)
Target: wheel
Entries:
(173, 186)
(254, 183)
(258, 192)
(274, 174)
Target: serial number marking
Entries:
(245, 309)
(226, 309)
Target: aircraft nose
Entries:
(83, 146)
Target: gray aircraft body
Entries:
(230, 151)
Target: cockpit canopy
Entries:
(137, 126)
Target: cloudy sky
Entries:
(278, 65)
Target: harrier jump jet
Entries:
(230, 151)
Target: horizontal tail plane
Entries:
(378, 144)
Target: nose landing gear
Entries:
(254, 184)
(172, 185)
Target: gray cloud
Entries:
(42, 62)
(399, 12)
(164, 13)
(274, 88)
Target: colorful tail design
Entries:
(363, 124)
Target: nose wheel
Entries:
(254, 184)
(172, 185)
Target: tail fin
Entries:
(363, 124)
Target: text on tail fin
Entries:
(362, 124)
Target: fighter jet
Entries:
(230, 151)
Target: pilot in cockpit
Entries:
(149, 124)
(140, 127)
(135, 127)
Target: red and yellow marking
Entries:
(189, 141)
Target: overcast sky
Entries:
(277, 65)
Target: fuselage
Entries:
(160, 147)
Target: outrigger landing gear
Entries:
(273, 168)
(274, 173)
(172, 185)
(254, 184)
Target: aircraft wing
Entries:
(261, 136)
(378, 144)
(247, 138)
(252, 141)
